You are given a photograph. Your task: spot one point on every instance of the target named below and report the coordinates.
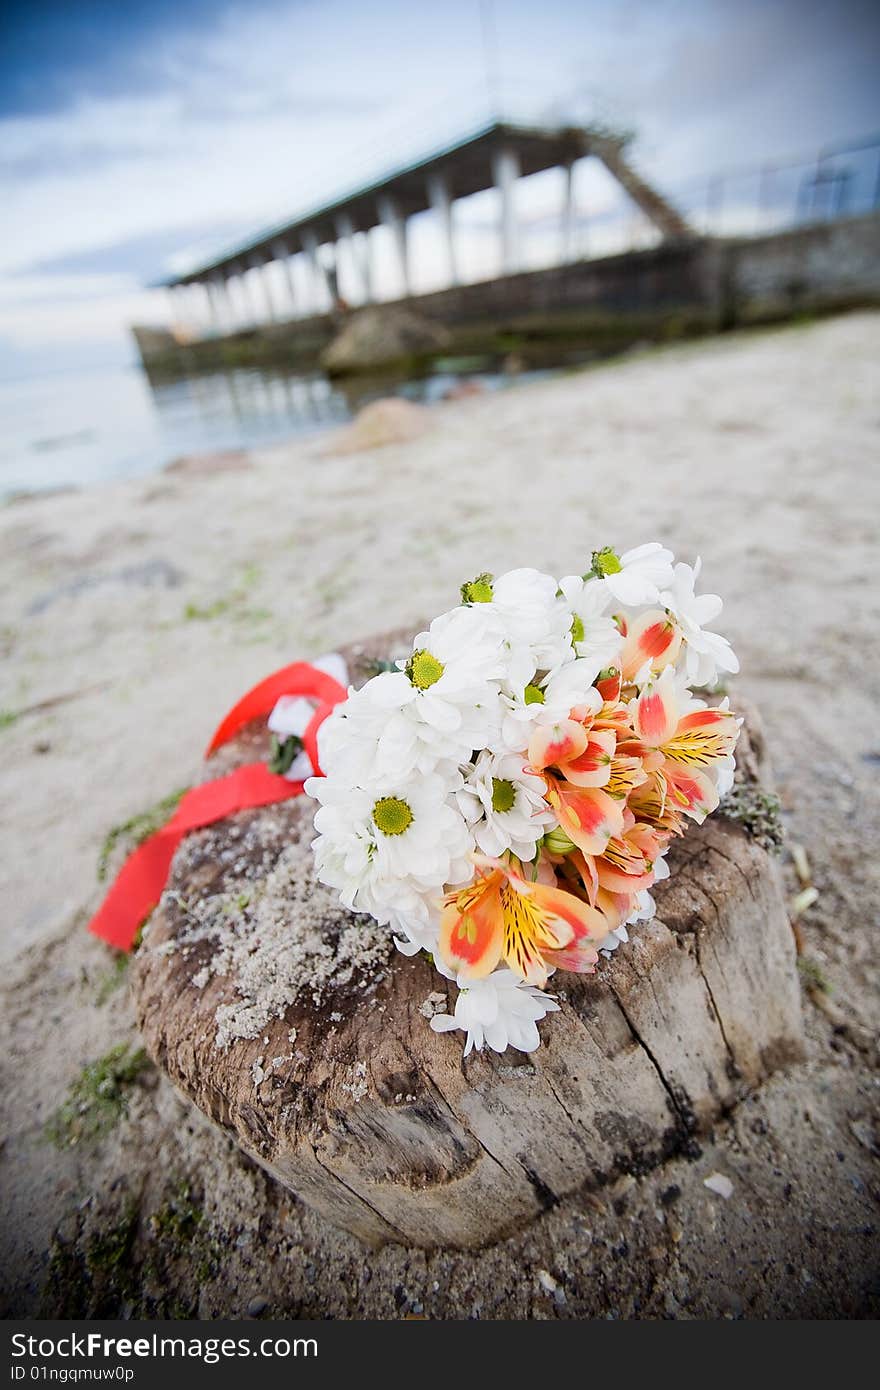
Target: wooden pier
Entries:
(287, 295)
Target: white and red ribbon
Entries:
(140, 882)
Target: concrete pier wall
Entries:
(673, 290)
(831, 265)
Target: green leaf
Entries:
(284, 750)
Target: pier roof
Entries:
(466, 167)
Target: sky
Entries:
(137, 138)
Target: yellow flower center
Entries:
(392, 816)
(477, 590)
(577, 629)
(503, 794)
(423, 669)
(533, 695)
(606, 561)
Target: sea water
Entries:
(75, 428)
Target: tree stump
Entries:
(347, 1096)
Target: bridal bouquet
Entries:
(504, 798)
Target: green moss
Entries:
(209, 1261)
(149, 1266)
(98, 1098)
(235, 603)
(112, 979)
(196, 613)
(138, 828)
(759, 814)
(178, 1219)
(250, 575)
(7, 718)
(96, 1277)
(109, 1252)
(64, 1293)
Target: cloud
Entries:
(47, 157)
(60, 56)
(140, 257)
(131, 130)
(58, 53)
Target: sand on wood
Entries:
(295, 1026)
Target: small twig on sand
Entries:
(53, 700)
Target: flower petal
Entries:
(583, 919)
(654, 639)
(690, 791)
(472, 930)
(593, 767)
(588, 816)
(552, 744)
(703, 736)
(656, 714)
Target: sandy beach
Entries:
(134, 614)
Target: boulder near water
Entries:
(379, 336)
(297, 1028)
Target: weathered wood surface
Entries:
(376, 1121)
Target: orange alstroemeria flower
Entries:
(627, 866)
(653, 640)
(682, 746)
(532, 927)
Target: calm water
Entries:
(76, 428)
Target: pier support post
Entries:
(505, 172)
(440, 199)
(322, 284)
(174, 304)
(213, 306)
(260, 267)
(202, 307)
(363, 249)
(225, 306)
(392, 218)
(248, 317)
(568, 212)
(282, 254)
(345, 233)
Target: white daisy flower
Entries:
(439, 707)
(637, 576)
(385, 851)
(548, 700)
(504, 805)
(531, 619)
(705, 653)
(379, 737)
(595, 635)
(500, 1012)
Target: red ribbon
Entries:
(140, 882)
(297, 679)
